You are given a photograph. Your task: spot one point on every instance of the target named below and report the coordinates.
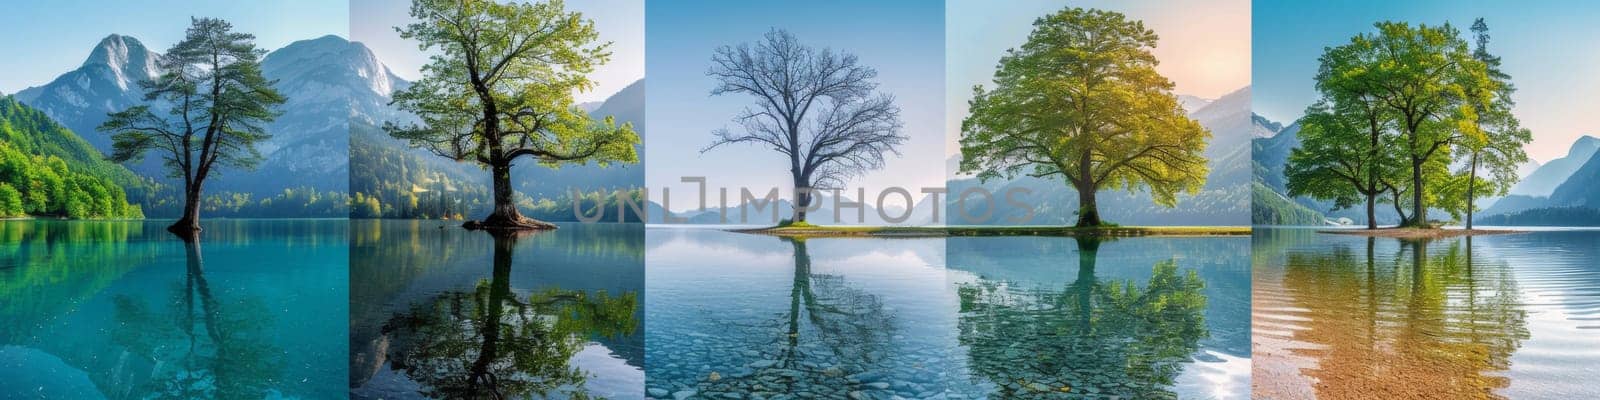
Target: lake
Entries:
(1497, 316)
(437, 311)
(946, 318)
(123, 309)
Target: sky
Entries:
(620, 22)
(45, 39)
(902, 39)
(1546, 46)
(1204, 47)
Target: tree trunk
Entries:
(188, 225)
(505, 215)
(1419, 210)
(1472, 186)
(1372, 211)
(802, 198)
(1088, 211)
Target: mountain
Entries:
(1582, 188)
(1192, 103)
(1578, 174)
(1544, 179)
(1224, 200)
(107, 81)
(327, 82)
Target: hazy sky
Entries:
(903, 40)
(44, 39)
(1548, 47)
(1204, 47)
(620, 22)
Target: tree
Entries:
(1424, 76)
(1495, 142)
(1082, 99)
(817, 108)
(214, 106)
(500, 88)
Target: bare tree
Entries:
(818, 108)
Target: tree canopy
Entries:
(1082, 99)
(501, 86)
(818, 108)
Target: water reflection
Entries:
(438, 326)
(202, 346)
(1384, 318)
(123, 309)
(1092, 336)
(757, 317)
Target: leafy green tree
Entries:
(1082, 99)
(207, 110)
(1424, 76)
(823, 114)
(1494, 145)
(1345, 155)
(500, 88)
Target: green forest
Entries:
(47, 171)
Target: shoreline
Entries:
(975, 231)
(1419, 233)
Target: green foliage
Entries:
(297, 202)
(43, 185)
(47, 170)
(10, 201)
(500, 87)
(1082, 99)
(1399, 108)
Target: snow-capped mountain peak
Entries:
(127, 59)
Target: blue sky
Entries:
(44, 39)
(1548, 47)
(620, 22)
(903, 40)
(1204, 47)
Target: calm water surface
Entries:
(125, 310)
(931, 318)
(1502, 316)
(440, 312)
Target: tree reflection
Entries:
(201, 347)
(491, 343)
(1101, 338)
(1412, 322)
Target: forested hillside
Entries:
(47, 170)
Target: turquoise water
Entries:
(440, 312)
(931, 318)
(126, 310)
(1496, 316)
